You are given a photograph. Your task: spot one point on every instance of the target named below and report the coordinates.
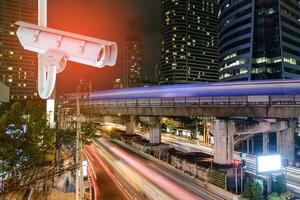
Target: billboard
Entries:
(268, 163)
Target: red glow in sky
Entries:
(97, 18)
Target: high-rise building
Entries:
(17, 66)
(189, 46)
(117, 84)
(133, 63)
(259, 39)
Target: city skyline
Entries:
(154, 99)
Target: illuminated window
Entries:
(11, 33)
(243, 70)
(10, 80)
(229, 56)
(291, 61)
(11, 53)
(10, 68)
(235, 63)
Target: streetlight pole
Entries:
(79, 177)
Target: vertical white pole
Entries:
(42, 21)
(42, 13)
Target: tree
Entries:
(170, 123)
(279, 185)
(24, 135)
(253, 190)
(283, 196)
(274, 196)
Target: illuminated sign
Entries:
(84, 168)
(50, 112)
(268, 163)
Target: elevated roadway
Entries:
(265, 99)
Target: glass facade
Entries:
(259, 39)
(17, 66)
(189, 41)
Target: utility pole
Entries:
(79, 175)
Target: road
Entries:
(119, 174)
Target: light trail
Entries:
(134, 179)
(172, 188)
(274, 87)
(108, 171)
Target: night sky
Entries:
(113, 20)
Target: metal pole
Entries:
(269, 183)
(236, 183)
(241, 180)
(79, 188)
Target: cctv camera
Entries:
(56, 47)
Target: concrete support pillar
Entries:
(266, 143)
(223, 131)
(285, 142)
(130, 126)
(155, 130)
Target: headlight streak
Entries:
(132, 177)
(172, 188)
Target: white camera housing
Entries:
(57, 47)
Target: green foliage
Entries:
(253, 190)
(279, 185)
(274, 196)
(287, 195)
(283, 196)
(24, 135)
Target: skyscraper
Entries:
(17, 66)
(259, 39)
(189, 41)
(133, 63)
